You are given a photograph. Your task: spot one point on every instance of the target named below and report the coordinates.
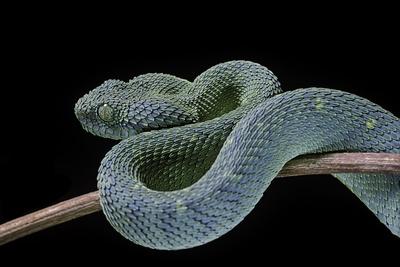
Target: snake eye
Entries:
(105, 113)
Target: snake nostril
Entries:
(79, 113)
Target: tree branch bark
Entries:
(305, 165)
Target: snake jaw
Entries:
(128, 120)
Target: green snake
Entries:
(196, 157)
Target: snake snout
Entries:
(79, 109)
(79, 114)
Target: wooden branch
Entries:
(305, 165)
(50, 216)
(342, 163)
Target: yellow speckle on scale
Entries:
(228, 141)
(370, 123)
(318, 104)
(180, 207)
(236, 177)
(136, 186)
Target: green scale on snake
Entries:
(196, 157)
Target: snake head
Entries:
(117, 110)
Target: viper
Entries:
(196, 157)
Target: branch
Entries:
(50, 216)
(305, 165)
(342, 163)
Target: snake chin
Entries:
(115, 133)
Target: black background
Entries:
(46, 157)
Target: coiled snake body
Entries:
(197, 157)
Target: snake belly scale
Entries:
(196, 157)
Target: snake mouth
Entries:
(118, 132)
(115, 133)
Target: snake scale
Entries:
(196, 157)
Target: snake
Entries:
(196, 157)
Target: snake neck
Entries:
(228, 86)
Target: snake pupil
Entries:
(105, 113)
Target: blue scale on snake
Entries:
(196, 157)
